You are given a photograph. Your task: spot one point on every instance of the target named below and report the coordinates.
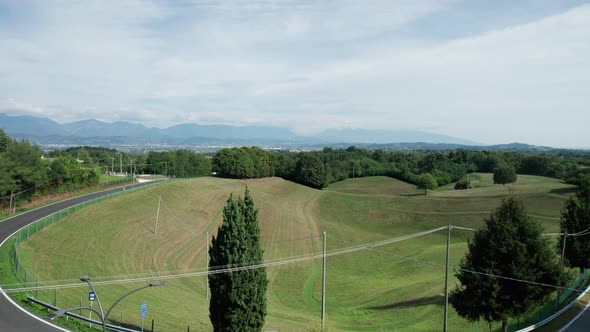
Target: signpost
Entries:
(143, 311)
(91, 298)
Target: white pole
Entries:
(90, 314)
(207, 264)
(447, 278)
(10, 208)
(324, 286)
(157, 216)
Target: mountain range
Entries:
(47, 131)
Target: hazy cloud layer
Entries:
(483, 72)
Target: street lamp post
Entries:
(101, 314)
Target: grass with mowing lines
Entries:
(399, 287)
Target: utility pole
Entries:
(207, 264)
(562, 257)
(10, 208)
(121, 163)
(324, 286)
(112, 165)
(353, 172)
(563, 246)
(447, 277)
(157, 216)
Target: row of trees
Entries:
(320, 168)
(24, 174)
(177, 163)
(509, 259)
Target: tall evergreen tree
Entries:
(238, 299)
(575, 218)
(511, 245)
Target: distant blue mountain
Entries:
(347, 135)
(94, 132)
(28, 125)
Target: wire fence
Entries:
(25, 276)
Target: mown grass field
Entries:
(400, 287)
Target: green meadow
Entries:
(393, 288)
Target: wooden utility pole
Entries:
(447, 278)
(207, 264)
(324, 286)
(157, 216)
(10, 208)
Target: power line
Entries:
(248, 266)
(295, 259)
(469, 271)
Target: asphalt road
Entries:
(13, 318)
(582, 323)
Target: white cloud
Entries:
(302, 64)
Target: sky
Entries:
(488, 71)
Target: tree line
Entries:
(177, 163)
(25, 174)
(427, 170)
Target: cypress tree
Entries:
(238, 299)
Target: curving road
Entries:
(579, 323)
(12, 317)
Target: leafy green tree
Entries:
(427, 182)
(575, 218)
(310, 171)
(23, 162)
(463, 184)
(504, 174)
(238, 298)
(58, 172)
(4, 141)
(511, 245)
(84, 156)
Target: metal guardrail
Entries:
(80, 317)
(555, 315)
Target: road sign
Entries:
(91, 296)
(143, 310)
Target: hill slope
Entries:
(366, 291)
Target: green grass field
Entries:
(366, 291)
